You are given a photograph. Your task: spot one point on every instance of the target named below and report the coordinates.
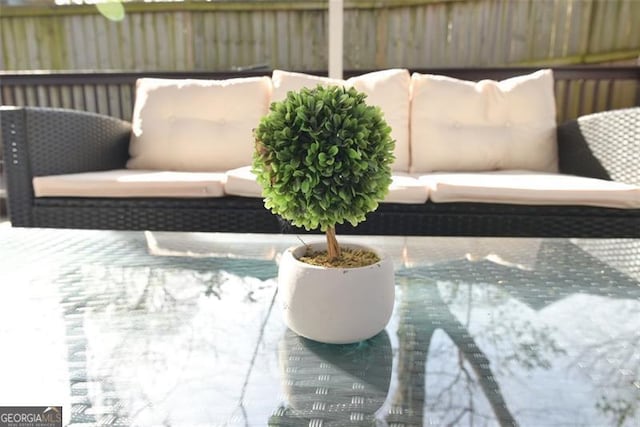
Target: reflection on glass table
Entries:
(185, 330)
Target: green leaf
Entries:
(322, 159)
(305, 186)
(353, 154)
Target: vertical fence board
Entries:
(439, 34)
(609, 22)
(282, 49)
(199, 41)
(44, 47)
(116, 50)
(221, 45)
(32, 37)
(504, 36)
(519, 36)
(102, 42)
(123, 34)
(89, 44)
(233, 40)
(150, 41)
(17, 44)
(293, 43)
(213, 43)
(459, 43)
(595, 31)
(558, 19)
(412, 58)
(568, 29)
(352, 51)
(165, 41)
(632, 25)
(381, 39)
(247, 39)
(399, 39)
(321, 42)
(422, 48)
(270, 38)
(257, 41)
(183, 58)
(77, 96)
(75, 35)
(137, 41)
(7, 42)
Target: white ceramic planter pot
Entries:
(335, 305)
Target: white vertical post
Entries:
(335, 38)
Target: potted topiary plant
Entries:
(323, 157)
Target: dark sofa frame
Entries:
(43, 141)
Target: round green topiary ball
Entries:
(323, 157)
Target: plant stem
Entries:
(333, 250)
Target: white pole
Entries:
(335, 38)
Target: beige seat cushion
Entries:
(459, 125)
(196, 125)
(530, 188)
(242, 182)
(403, 189)
(406, 189)
(387, 89)
(131, 183)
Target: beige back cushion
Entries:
(196, 125)
(459, 125)
(387, 89)
(286, 81)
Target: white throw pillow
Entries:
(387, 89)
(459, 125)
(196, 125)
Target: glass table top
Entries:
(184, 329)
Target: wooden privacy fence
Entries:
(288, 34)
(579, 90)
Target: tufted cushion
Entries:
(387, 89)
(530, 188)
(131, 183)
(196, 125)
(460, 125)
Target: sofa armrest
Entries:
(50, 141)
(602, 145)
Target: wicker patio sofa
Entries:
(602, 145)
(49, 141)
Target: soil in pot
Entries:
(349, 258)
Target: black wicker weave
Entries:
(43, 141)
